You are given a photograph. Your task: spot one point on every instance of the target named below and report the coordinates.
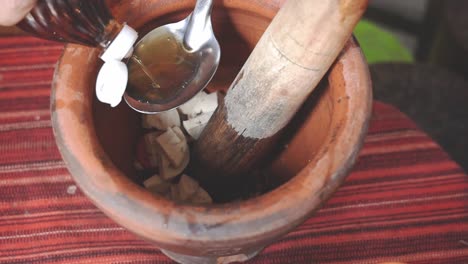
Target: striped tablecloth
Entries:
(404, 201)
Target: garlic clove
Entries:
(201, 197)
(195, 126)
(201, 103)
(167, 171)
(187, 187)
(173, 147)
(179, 133)
(151, 149)
(146, 156)
(156, 184)
(161, 121)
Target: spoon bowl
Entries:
(174, 62)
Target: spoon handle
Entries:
(199, 27)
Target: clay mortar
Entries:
(97, 142)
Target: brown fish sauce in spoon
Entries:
(173, 63)
(160, 67)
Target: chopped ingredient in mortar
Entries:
(164, 150)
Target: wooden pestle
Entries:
(294, 53)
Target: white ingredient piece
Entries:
(173, 147)
(111, 82)
(167, 171)
(201, 197)
(112, 78)
(187, 187)
(201, 103)
(195, 126)
(152, 148)
(156, 184)
(169, 149)
(162, 121)
(179, 133)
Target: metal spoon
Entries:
(195, 39)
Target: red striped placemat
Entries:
(404, 201)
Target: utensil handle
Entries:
(87, 23)
(199, 28)
(294, 53)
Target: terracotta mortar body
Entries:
(98, 142)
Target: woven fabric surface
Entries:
(405, 200)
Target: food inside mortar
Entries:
(163, 151)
